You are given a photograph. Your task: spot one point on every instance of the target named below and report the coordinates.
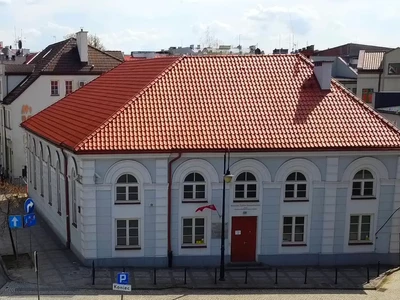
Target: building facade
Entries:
(140, 183)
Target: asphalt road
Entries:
(389, 291)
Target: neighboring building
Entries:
(349, 52)
(120, 167)
(378, 72)
(341, 71)
(9, 55)
(55, 72)
(116, 53)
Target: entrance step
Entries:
(247, 265)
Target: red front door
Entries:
(244, 239)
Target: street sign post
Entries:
(122, 283)
(29, 206)
(15, 221)
(29, 220)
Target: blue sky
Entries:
(152, 25)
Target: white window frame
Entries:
(127, 246)
(34, 166)
(293, 225)
(363, 181)
(49, 187)
(246, 183)
(58, 186)
(81, 83)
(72, 86)
(296, 183)
(41, 161)
(51, 88)
(194, 243)
(127, 186)
(74, 200)
(359, 240)
(194, 185)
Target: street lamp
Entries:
(227, 179)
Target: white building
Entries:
(55, 72)
(121, 184)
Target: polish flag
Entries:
(211, 206)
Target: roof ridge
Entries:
(122, 108)
(51, 60)
(367, 107)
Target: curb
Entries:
(381, 279)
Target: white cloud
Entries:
(60, 28)
(5, 2)
(121, 39)
(33, 32)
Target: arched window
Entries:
(127, 189)
(49, 189)
(194, 187)
(58, 185)
(73, 197)
(296, 187)
(363, 184)
(41, 169)
(34, 164)
(246, 187)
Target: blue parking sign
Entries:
(123, 278)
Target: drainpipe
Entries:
(170, 208)
(379, 82)
(68, 245)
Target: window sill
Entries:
(363, 198)
(55, 95)
(126, 203)
(360, 243)
(294, 245)
(296, 200)
(194, 201)
(127, 248)
(193, 246)
(246, 201)
(73, 224)
(59, 213)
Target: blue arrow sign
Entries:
(15, 221)
(29, 220)
(29, 206)
(123, 278)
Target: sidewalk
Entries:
(60, 270)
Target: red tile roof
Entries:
(211, 103)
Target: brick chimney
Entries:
(82, 43)
(323, 72)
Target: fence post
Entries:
(276, 275)
(245, 278)
(93, 273)
(305, 276)
(155, 276)
(367, 274)
(184, 280)
(335, 275)
(379, 269)
(215, 275)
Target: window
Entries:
(246, 187)
(394, 69)
(360, 228)
(54, 88)
(367, 95)
(68, 87)
(41, 170)
(127, 189)
(194, 187)
(58, 186)
(81, 83)
(49, 189)
(363, 185)
(296, 187)
(8, 119)
(354, 90)
(293, 230)
(193, 232)
(127, 233)
(34, 165)
(73, 195)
